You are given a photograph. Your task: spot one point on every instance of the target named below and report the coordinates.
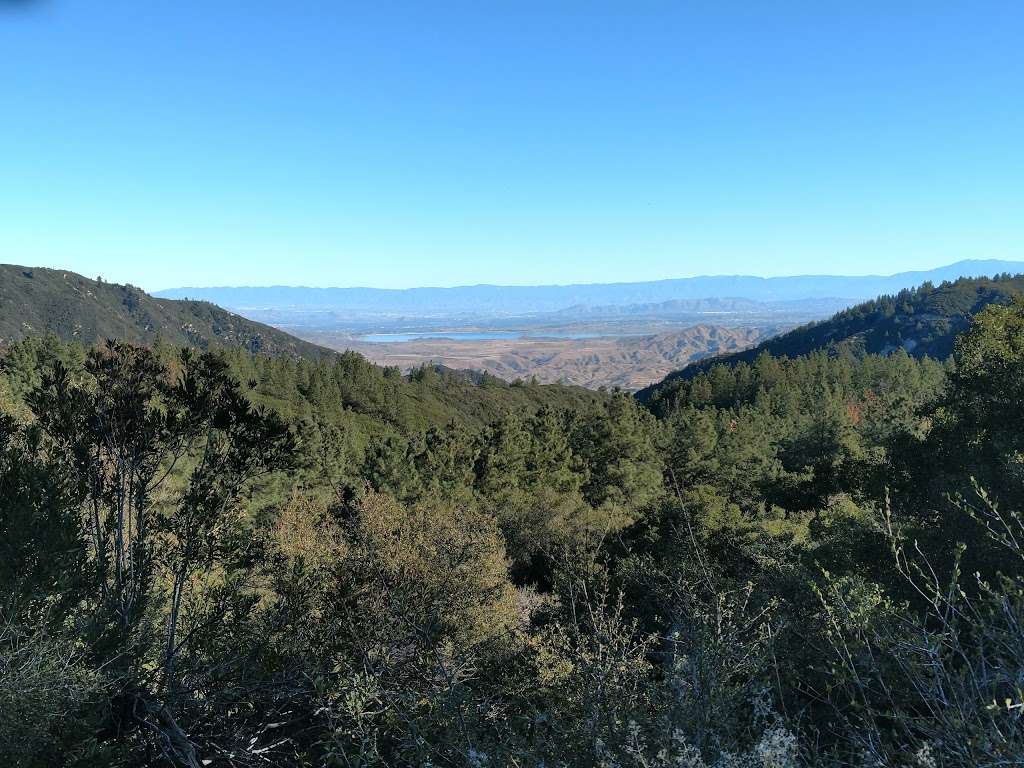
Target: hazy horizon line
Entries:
(579, 284)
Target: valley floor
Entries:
(628, 362)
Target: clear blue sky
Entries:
(179, 142)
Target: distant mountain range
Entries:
(35, 301)
(709, 306)
(519, 300)
(922, 321)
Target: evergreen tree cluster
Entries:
(217, 558)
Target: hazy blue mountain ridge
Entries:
(494, 299)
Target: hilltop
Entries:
(922, 321)
(35, 301)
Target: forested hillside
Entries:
(218, 558)
(36, 301)
(923, 321)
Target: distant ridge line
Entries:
(538, 298)
(619, 283)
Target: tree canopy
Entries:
(216, 558)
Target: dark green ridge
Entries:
(923, 321)
(36, 301)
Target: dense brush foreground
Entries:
(230, 560)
